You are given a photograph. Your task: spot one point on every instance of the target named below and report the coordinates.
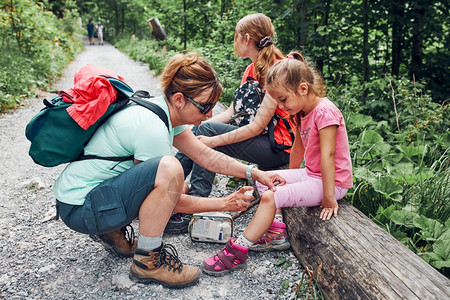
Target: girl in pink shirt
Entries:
(320, 141)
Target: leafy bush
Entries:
(36, 48)
(401, 165)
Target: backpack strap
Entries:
(276, 148)
(147, 104)
(154, 108)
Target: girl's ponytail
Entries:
(260, 29)
(296, 55)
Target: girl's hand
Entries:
(207, 140)
(329, 208)
(239, 200)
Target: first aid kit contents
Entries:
(214, 227)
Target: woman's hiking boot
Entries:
(162, 266)
(178, 223)
(232, 257)
(275, 238)
(121, 242)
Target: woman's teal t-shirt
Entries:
(135, 130)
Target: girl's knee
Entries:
(268, 198)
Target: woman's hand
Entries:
(239, 201)
(329, 208)
(270, 179)
(209, 141)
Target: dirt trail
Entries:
(42, 259)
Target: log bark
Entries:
(353, 258)
(157, 30)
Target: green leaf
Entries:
(280, 261)
(370, 137)
(285, 284)
(431, 229)
(388, 187)
(410, 151)
(430, 256)
(383, 215)
(404, 168)
(400, 236)
(417, 177)
(363, 174)
(439, 264)
(445, 234)
(404, 217)
(442, 248)
(359, 120)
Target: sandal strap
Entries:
(238, 254)
(228, 260)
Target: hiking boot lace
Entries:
(128, 234)
(176, 216)
(168, 256)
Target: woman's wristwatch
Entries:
(249, 172)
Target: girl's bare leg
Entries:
(263, 217)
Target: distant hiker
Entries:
(99, 29)
(90, 29)
(102, 198)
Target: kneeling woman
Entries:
(102, 198)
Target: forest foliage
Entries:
(385, 64)
(35, 45)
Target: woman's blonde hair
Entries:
(289, 72)
(259, 26)
(190, 74)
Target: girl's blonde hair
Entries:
(258, 26)
(289, 72)
(190, 74)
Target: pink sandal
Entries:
(232, 257)
(275, 238)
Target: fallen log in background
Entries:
(353, 258)
(157, 30)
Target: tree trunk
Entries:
(157, 30)
(184, 24)
(397, 20)
(365, 50)
(302, 35)
(116, 21)
(417, 43)
(353, 258)
(323, 39)
(122, 10)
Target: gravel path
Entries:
(43, 259)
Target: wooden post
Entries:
(353, 258)
(157, 30)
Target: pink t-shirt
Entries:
(323, 115)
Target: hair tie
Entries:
(290, 56)
(266, 41)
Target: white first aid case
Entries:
(213, 227)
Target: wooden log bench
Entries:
(353, 258)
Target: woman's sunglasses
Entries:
(204, 108)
